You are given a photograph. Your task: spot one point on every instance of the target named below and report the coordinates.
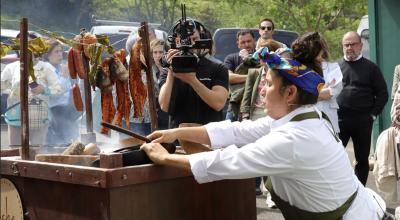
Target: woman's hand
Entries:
(163, 136)
(155, 151)
(159, 155)
(325, 94)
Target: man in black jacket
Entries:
(194, 97)
(246, 42)
(362, 99)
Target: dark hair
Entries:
(303, 97)
(54, 44)
(325, 49)
(267, 19)
(306, 49)
(244, 32)
(205, 34)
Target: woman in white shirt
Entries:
(311, 175)
(333, 83)
(47, 85)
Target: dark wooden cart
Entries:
(59, 191)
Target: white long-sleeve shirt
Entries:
(65, 82)
(333, 80)
(307, 166)
(10, 81)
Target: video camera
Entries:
(186, 61)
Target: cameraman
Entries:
(194, 97)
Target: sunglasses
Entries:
(266, 27)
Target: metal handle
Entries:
(125, 131)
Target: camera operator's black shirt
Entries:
(186, 106)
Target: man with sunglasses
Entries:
(266, 30)
(363, 97)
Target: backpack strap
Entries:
(311, 115)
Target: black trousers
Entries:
(359, 129)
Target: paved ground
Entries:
(263, 212)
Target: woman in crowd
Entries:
(141, 125)
(310, 174)
(63, 122)
(332, 76)
(157, 49)
(46, 85)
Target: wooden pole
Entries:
(24, 88)
(144, 34)
(88, 102)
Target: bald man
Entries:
(362, 99)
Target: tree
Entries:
(330, 17)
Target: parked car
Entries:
(225, 40)
(119, 31)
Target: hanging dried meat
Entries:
(71, 65)
(76, 93)
(137, 88)
(104, 82)
(107, 110)
(103, 78)
(118, 67)
(78, 62)
(88, 39)
(123, 103)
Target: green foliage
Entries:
(330, 17)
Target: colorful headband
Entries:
(297, 73)
(260, 53)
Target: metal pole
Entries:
(24, 88)
(144, 34)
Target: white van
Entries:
(363, 31)
(119, 31)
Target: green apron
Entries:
(291, 212)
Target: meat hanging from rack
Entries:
(123, 103)
(107, 110)
(76, 93)
(78, 62)
(106, 86)
(136, 86)
(118, 67)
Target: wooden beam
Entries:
(24, 88)
(144, 34)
